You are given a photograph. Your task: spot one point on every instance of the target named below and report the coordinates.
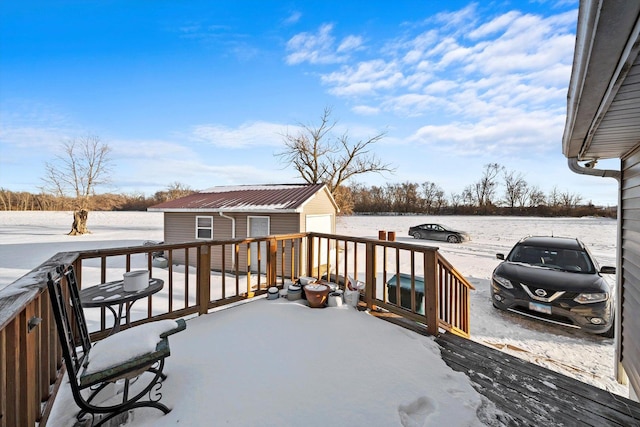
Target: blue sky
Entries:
(201, 92)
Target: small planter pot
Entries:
(316, 294)
(273, 293)
(294, 292)
(335, 299)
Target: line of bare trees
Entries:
(25, 201)
(497, 192)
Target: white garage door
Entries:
(318, 223)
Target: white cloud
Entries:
(366, 110)
(321, 48)
(465, 71)
(367, 78)
(244, 136)
(350, 43)
(293, 18)
(502, 135)
(494, 26)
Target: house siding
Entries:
(630, 259)
(180, 227)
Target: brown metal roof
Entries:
(269, 197)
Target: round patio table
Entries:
(111, 294)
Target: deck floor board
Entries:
(530, 394)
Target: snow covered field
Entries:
(29, 238)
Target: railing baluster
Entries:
(186, 277)
(170, 274)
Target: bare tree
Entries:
(553, 199)
(515, 188)
(5, 198)
(485, 188)
(173, 191)
(468, 196)
(82, 166)
(344, 198)
(536, 196)
(456, 200)
(570, 200)
(432, 195)
(321, 157)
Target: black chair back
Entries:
(72, 330)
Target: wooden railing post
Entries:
(204, 279)
(272, 262)
(431, 297)
(310, 243)
(370, 275)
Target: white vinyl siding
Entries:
(204, 227)
(629, 292)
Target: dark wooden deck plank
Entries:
(542, 395)
(530, 394)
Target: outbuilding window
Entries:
(204, 227)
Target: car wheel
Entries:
(416, 235)
(453, 239)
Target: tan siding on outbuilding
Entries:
(630, 255)
(318, 205)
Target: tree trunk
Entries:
(79, 222)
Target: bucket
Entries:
(335, 299)
(352, 298)
(273, 293)
(135, 280)
(294, 292)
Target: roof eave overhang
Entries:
(606, 46)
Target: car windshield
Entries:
(557, 259)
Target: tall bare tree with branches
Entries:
(319, 156)
(82, 166)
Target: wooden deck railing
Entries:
(200, 276)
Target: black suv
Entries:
(555, 279)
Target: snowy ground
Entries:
(29, 238)
(583, 356)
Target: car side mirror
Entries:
(500, 256)
(608, 270)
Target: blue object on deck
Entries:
(405, 291)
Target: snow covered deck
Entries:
(277, 362)
(281, 363)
